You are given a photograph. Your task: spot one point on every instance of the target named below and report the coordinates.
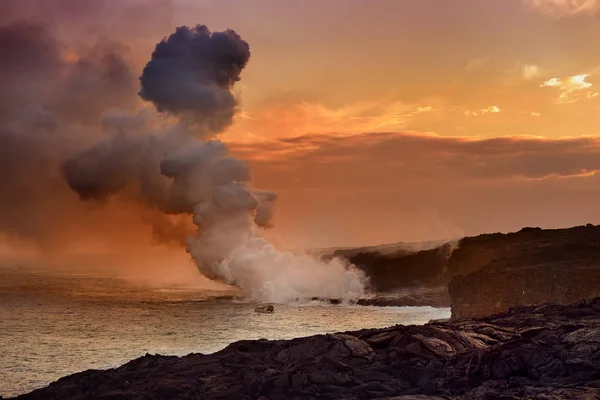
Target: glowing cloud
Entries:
(488, 110)
(571, 88)
(530, 71)
(304, 117)
(564, 8)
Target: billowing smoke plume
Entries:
(48, 99)
(181, 179)
(192, 72)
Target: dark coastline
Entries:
(523, 351)
(535, 352)
(531, 266)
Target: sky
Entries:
(389, 120)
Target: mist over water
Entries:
(55, 325)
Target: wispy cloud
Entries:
(484, 111)
(392, 177)
(285, 120)
(530, 71)
(533, 114)
(571, 89)
(564, 8)
(428, 156)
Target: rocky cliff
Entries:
(542, 352)
(490, 273)
(405, 267)
(528, 247)
(494, 290)
(533, 266)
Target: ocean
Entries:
(52, 325)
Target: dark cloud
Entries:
(35, 71)
(21, 159)
(177, 170)
(167, 167)
(79, 162)
(191, 73)
(377, 188)
(103, 170)
(390, 159)
(170, 173)
(196, 170)
(29, 61)
(83, 20)
(100, 79)
(28, 47)
(51, 103)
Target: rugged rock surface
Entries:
(417, 297)
(490, 273)
(528, 247)
(491, 291)
(532, 266)
(543, 352)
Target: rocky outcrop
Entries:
(416, 297)
(528, 247)
(533, 266)
(489, 273)
(544, 352)
(492, 291)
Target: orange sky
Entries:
(448, 73)
(386, 120)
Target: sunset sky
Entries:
(394, 120)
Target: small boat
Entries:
(264, 308)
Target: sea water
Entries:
(55, 325)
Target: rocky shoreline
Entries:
(535, 352)
(438, 297)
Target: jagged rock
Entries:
(413, 397)
(357, 347)
(538, 352)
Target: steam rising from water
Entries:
(229, 246)
(166, 162)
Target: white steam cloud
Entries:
(229, 247)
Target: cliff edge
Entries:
(492, 273)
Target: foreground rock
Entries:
(544, 352)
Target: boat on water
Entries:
(264, 308)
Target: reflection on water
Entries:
(53, 326)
